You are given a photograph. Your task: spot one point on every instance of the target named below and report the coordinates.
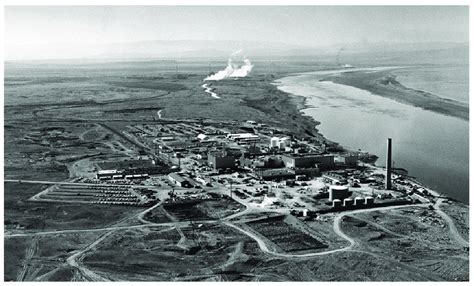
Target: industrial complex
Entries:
(188, 188)
(258, 165)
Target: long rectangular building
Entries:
(308, 161)
(242, 137)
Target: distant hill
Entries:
(209, 50)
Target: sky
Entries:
(79, 26)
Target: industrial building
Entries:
(336, 203)
(130, 169)
(335, 178)
(220, 160)
(323, 162)
(242, 137)
(346, 159)
(109, 175)
(348, 202)
(275, 174)
(369, 201)
(279, 142)
(262, 162)
(358, 201)
(338, 193)
(308, 172)
(179, 181)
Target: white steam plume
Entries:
(232, 70)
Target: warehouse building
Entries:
(179, 181)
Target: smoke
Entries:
(343, 48)
(233, 70)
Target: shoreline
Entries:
(384, 84)
(301, 103)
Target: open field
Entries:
(206, 209)
(285, 236)
(460, 215)
(24, 215)
(43, 257)
(151, 254)
(416, 237)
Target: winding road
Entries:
(452, 227)
(75, 259)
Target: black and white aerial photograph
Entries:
(248, 142)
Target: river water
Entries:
(433, 148)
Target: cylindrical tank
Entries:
(338, 192)
(358, 201)
(348, 202)
(336, 203)
(369, 201)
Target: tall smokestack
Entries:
(388, 176)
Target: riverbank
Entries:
(359, 120)
(385, 84)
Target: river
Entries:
(434, 148)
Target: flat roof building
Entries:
(220, 160)
(323, 162)
(346, 159)
(178, 180)
(242, 137)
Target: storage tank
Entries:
(348, 202)
(305, 212)
(282, 144)
(336, 203)
(358, 201)
(338, 192)
(274, 142)
(369, 201)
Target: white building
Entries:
(242, 137)
(202, 137)
(279, 142)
